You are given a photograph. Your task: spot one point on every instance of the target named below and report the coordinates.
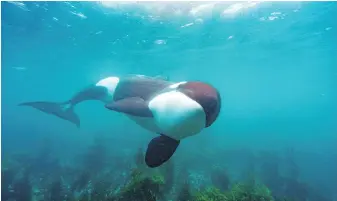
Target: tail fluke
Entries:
(62, 110)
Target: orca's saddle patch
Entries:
(159, 150)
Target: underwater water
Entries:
(274, 64)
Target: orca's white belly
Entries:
(177, 131)
(176, 115)
(147, 123)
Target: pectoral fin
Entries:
(159, 150)
(135, 106)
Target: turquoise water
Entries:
(274, 64)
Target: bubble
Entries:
(160, 42)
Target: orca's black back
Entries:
(139, 86)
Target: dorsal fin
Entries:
(157, 77)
